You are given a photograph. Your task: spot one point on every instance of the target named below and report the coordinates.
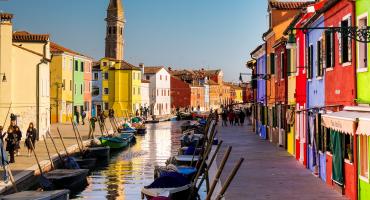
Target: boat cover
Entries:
(169, 180)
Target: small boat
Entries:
(86, 163)
(71, 179)
(172, 185)
(141, 131)
(35, 195)
(99, 152)
(130, 137)
(114, 142)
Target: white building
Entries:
(25, 77)
(159, 89)
(145, 99)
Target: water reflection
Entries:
(130, 170)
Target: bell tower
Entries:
(114, 40)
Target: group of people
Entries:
(234, 117)
(13, 137)
(83, 116)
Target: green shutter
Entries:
(337, 174)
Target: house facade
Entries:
(160, 86)
(145, 93)
(97, 90)
(24, 56)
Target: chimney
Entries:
(142, 66)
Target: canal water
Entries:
(128, 171)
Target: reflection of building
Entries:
(25, 76)
(70, 74)
(160, 85)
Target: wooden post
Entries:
(229, 179)
(56, 149)
(79, 136)
(74, 131)
(218, 174)
(37, 160)
(47, 150)
(61, 138)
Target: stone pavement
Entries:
(268, 172)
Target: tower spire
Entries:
(114, 40)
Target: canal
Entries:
(129, 170)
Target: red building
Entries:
(180, 93)
(197, 97)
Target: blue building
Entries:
(315, 94)
(96, 93)
(260, 56)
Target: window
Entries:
(348, 146)
(106, 91)
(134, 90)
(106, 106)
(309, 61)
(319, 63)
(81, 89)
(109, 30)
(272, 63)
(282, 65)
(160, 77)
(157, 92)
(166, 80)
(82, 66)
(96, 76)
(345, 43)
(75, 88)
(95, 91)
(364, 159)
(105, 64)
(64, 84)
(362, 47)
(138, 91)
(147, 77)
(114, 30)
(168, 92)
(76, 65)
(329, 49)
(70, 85)
(106, 75)
(121, 30)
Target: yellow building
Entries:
(121, 86)
(24, 67)
(62, 81)
(238, 94)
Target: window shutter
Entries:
(307, 52)
(289, 68)
(332, 49)
(318, 58)
(323, 50)
(349, 42)
(339, 45)
(272, 63)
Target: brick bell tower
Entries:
(114, 40)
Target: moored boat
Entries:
(114, 142)
(141, 131)
(130, 137)
(99, 152)
(72, 179)
(86, 163)
(36, 195)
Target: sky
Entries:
(192, 34)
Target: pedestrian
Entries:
(92, 128)
(77, 114)
(236, 119)
(111, 113)
(2, 135)
(137, 113)
(224, 118)
(141, 111)
(216, 115)
(248, 114)
(18, 132)
(30, 138)
(231, 116)
(83, 115)
(241, 117)
(11, 141)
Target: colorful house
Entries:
(63, 85)
(180, 93)
(214, 95)
(261, 101)
(25, 77)
(97, 89)
(160, 85)
(196, 96)
(145, 91)
(363, 99)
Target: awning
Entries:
(364, 125)
(343, 121)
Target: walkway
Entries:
(268, 172)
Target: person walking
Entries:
(2, 135)
(224, 118)
(77, 114)
(241, 117)
(92, 128)
(216, 115)
(83, 115)
(231, 116)
(30, 138)
(11, 142)
(236, 119)
(18, 132)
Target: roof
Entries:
(324, 6)
(267, 32)
(24, 36)
(152, 69)
(127, 66)
(257, 49)
(56, 48)
(279, 41)
(212, 82)
(6, 16)
(145, 81)
(288, 5)
(293, 23)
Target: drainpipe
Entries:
(264, 40)
(44, 60)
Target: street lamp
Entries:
(291, 44)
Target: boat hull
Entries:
(114, 143)
(34, 195)
(71, 179)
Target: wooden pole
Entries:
(47, 150)
(229, 179)
(218, 174)
(100, 126)
(79, 136)
(61, 139)
(37, 160)
(56, 149)
(78, 143)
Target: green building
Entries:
(79, 88)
